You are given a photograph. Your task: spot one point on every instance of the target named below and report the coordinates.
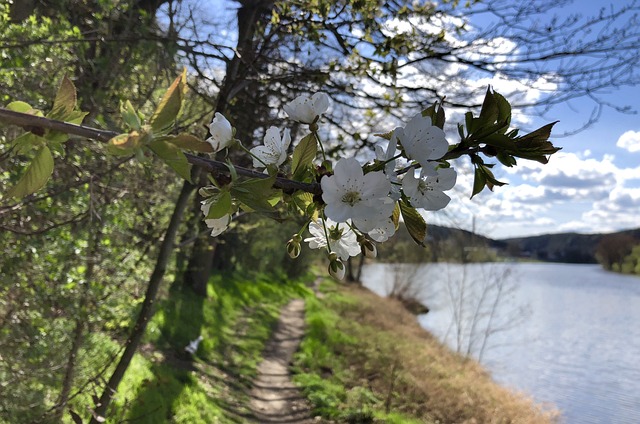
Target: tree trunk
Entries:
(146, 312)
(200, 262)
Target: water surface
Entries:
(575, 338)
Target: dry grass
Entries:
(415, 374)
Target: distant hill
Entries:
(446, 244)
(563, 247)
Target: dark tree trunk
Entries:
(146, 312)
(200, 263)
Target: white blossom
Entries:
(221, 133)
(274, 150)
(305, 109)
(218, 225)
(385, 230)
(422, 141)
(350, 194)
(342, 240)
(387, 156)
(427, 192)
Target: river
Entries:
(566, 334)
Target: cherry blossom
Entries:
(342, 240)
(218, 225)
(274, 150)
(422, 141)
(221, 133)
(428, 192)
(306, 109)
(351, 194)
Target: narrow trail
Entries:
(274, 397)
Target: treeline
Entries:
(620, 252)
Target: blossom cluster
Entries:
(360, 203)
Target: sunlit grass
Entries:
(365, 359)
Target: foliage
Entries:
(612, 249)
(630, 264)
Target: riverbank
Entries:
(366, 359)
(363, 359)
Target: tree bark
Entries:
(146, 312)
(200, 262)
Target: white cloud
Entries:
(630, 141)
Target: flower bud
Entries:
(293, 247)
(367, 247)
(336, 267)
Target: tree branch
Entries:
(32, 123)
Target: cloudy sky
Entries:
(591, 185)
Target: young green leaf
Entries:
(36, 175)
(172, 156)
(165, 115)
(489, 112)
(124, 144)
(479, 181)
(130, 116)
(21, 107)
(65, 101)
(220, 205)
(416, 226)
(304, 154)
(189, 142)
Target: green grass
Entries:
(365, 359)
(163, 384)
(323, 371)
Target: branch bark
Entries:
(34, 123)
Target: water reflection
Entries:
(577, 348)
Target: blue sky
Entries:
(592, 185)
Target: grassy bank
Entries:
(166, 385)
(366, 359)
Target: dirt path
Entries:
(274, 397)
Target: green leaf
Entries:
(189, 142)
(302, 199)
(479, 181)
(220, 205)
(124, 144)
(395, 216)
(172, 156)
(36, 175)
(416, 226)
(27, 141)
(504, 109)
(386, 136)
(130, 116)
(165, 115)
(489, 111)
(436, 113)
(65, 101)
(255, 193)
(21, 107)
(304, 154)
(506, 159)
